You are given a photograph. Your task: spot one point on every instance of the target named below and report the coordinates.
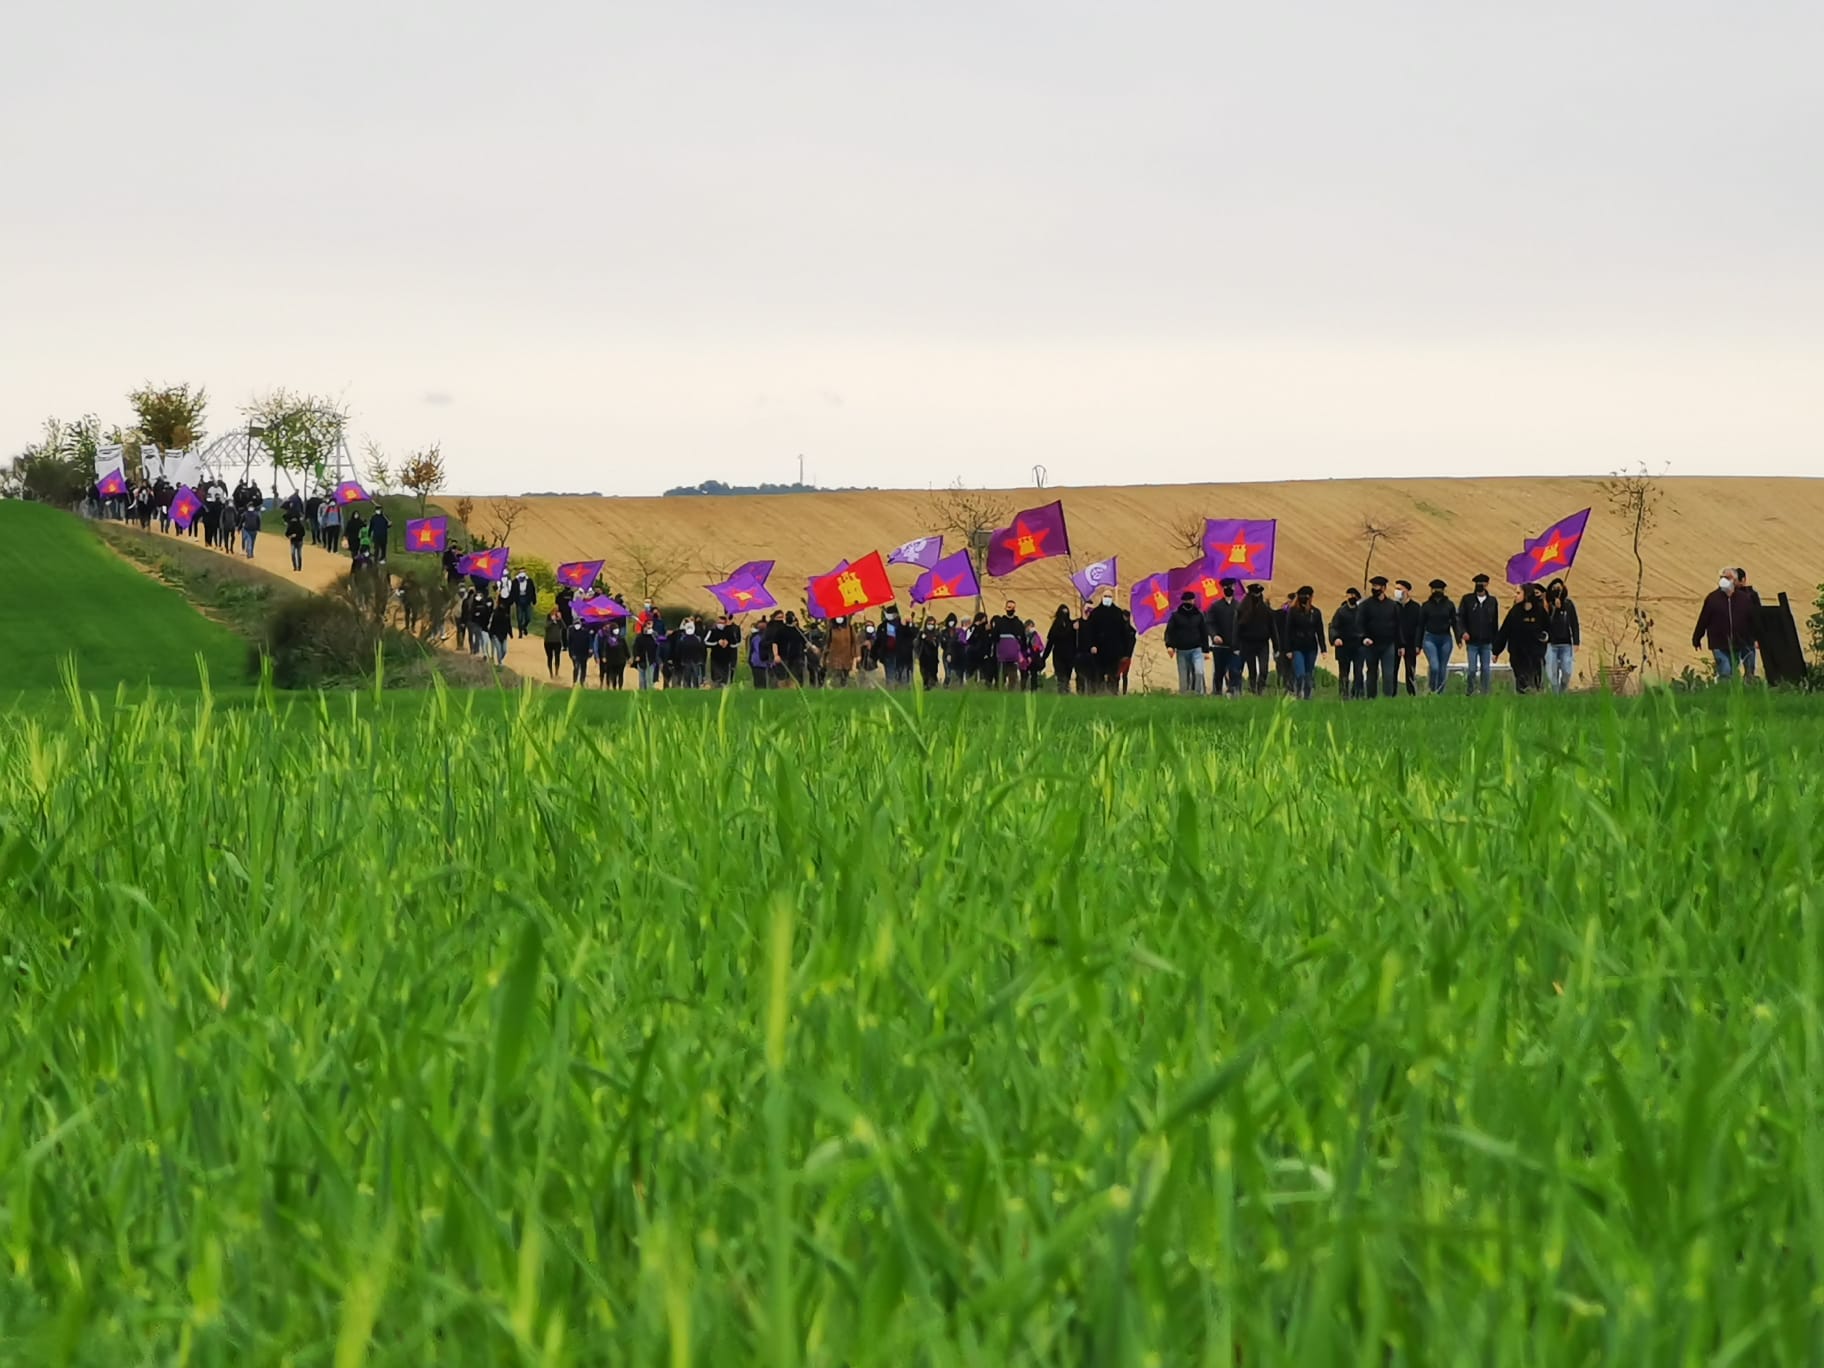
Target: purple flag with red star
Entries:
(951, 577)
(924, 552)
(185, 506)
(350, 491)
(1201, 578)
(579, 574)
(601, 608)
(487, 565)
(1150, 601)
(113, 484)
(1551, 552)
(742, 594)
(1036, 534)
(1241, 548)
(427, 534)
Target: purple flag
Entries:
(742, 594)
(1241, 548)
(578, 574)
(1202, 578)
(1096, 575)
(113, 484)
(814, 608)
(350, 491)
(952, 577)
(924, 552)
(758, 569)
(1035, 534)
(488, 565)
(1553, 549)
(1150, 602)
(427, 534)
(601, 608)
(185, 506)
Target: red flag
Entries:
(861, 586)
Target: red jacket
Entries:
(1728, 620)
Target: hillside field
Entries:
(1453, 528)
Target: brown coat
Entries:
(840, 652)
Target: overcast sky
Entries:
(621, 247)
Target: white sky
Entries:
(619, 247)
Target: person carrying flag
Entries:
(1564, 634)
(1254, 632)
(1478, 627)
(1186, 639)
(1524, 634)
(580, 641)
(1225, 658)
(839, 652)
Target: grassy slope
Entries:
(1248, 1034)
(67, 595)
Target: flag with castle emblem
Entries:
(1036, 534)
(1150, 601)
(952, 577)
(812, 607)
(1241, 548)
(861, 585)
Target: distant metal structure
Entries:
(1038, 476)
(242, 449)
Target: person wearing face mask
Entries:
(886, 644)
(1303, 639)
(1346, 641)
(760, 652)
(1438, 634)
(1411, 634)
(724, 642)
(1219, 626)
(1063, 642)
(611, 655)
(1380, 622)
(1754, 598)
(1563, 636)
(1254, 637)
(1186, 638)
(580, 640)
(564, 598)
(687, 655)
(930, 651)
(1008, 632)
(1523, 636)
(1478, 624)
(1727, 622)
(840, 652)
(1105, 630)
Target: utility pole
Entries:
(801, 468)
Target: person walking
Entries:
(1523, 637)
(1438, 634)
(500, 627)
(1478, 626)
(331, 527)
(840, 651)
(294, 533)
(1008, 633)
(1564, 635)
(554, 642)
(724, 642)
(1105, 627)
(1303, 639)
(1225, 657)
(930, 652)
(646, 653)
(687, 656)
(1186, 639)
(1061, 638)
(1411, 636)
(1380, 620)
(352, 527)
(1346, 640)
(313, 518)
(525, 596)
(1254, 633)
(611, 654)
(1727, 622)
(250, 530)
(580, 642)
(378, 529)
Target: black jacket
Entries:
(724, 641)
(1412, 625)
(500, 620)
(1380, 622)
(1254, 621)
(687, 649)
(1219, 622)
(1438, 616)
(1184, 629)
(1346, 624)
(1062, 641)
(1523, 633)
(1104, 631)
(1561, 625)
(1479, 620)
(580, 641)
(1304, 630)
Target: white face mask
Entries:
(1108, 603)
(1399, 596)
(1726, 585)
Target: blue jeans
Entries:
(1303, 663)
(1383, 668)
(297, 555)
(247, 536)
(1438, 648)
(648, 673)
(1481, 667)
(1726, 662)
(1559, 661)
(1190, 672)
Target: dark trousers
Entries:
(1383, 667)
(553, 654)
(579, 670)
(1349, 670)
(762, 678)
(1529, 672)
(1062, 669)
(1409, 666)
(1254, 661)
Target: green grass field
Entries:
(68, 596)
(532, 1028)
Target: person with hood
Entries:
(954, 642)
(1186, 639)
(1254, 636)
(1130, 639)
(554, 641)
(1103, 631)
(839, 652)
(688, 653)
(1302, 639)
(1062, 639)
(1563, 635)
(1523, 636)
(564, 597)
(1728, 624)
(759, 652)
(525, 595)
(294, 533)
(1478, 627)
(886, 644)
(978, 650)
(500, 627)
(1032, 658)
(1749, 656)
(611, 655)
(930, 651)
(352, 527)
(724, 642)
(313, 518)
(1438, 634)
(1411, 634)
(789, 650)
(580, 640)
(1346, 641)
(905, 652)
(378, 529)
(1379, 617)
(1008, 632)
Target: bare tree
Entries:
(374, 466)
(300, 432)
(1634, 497)
(1374, 532)
(503, 517)
(423, 473)
(1187, 536)
(971, 515)
(652, 567)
